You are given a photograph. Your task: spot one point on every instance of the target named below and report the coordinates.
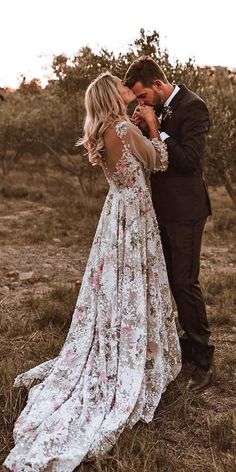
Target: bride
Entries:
(122, 348)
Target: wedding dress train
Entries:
(122, 348)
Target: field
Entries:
(46, 230)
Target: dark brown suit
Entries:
(182, 204)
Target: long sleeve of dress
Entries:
(151, 153)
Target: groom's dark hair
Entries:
(144, 70)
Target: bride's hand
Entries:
(147, 114)
(138, 121)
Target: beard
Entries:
(157, 101)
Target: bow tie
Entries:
(158, 110)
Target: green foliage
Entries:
(219, 94)
(75, 74)
(36, 122)
(52, 118)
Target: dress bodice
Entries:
(136, 157)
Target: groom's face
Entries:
(151, 95)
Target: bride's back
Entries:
(119, 163)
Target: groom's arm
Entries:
(186, 153)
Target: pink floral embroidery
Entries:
(14, 468)
(78, 312)
(103, 377)
(55, 405)
(120, 166)
(127, 329)
(95, 280)
(130, 182)
(27, 430)
(69, 356)
(126, 409)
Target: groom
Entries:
(181, 202)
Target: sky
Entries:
(31, 31)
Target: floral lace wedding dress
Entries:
(122, 348)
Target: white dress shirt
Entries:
(164, 135)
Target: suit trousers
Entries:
(181, 246)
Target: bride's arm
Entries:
(151, 152)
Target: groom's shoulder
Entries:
(189, 96)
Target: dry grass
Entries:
(220, 296)
(190, 433)
(55, 307)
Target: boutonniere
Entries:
(166, 112)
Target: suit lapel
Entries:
(178, 97)
(169, 121)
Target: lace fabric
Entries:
(122, 348)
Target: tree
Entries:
(51, 119)
(221, 143)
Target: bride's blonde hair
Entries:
(104, 107)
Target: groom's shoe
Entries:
(201, 379)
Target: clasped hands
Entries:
(144, 117)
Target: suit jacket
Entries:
(180, 194)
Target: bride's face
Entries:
(125, 92)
